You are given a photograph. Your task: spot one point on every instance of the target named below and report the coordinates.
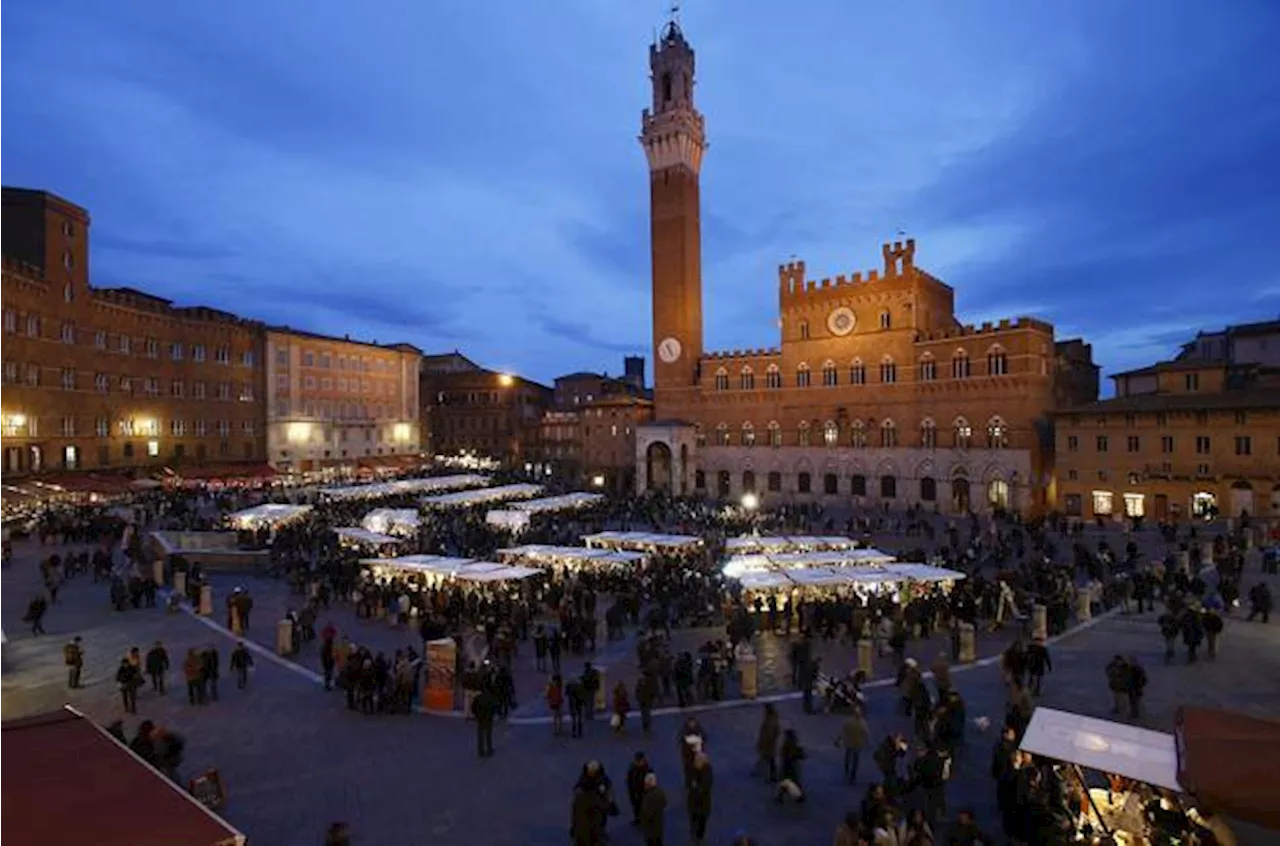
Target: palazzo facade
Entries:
(875, 391)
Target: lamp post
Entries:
(750, 502)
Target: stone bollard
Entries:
(284, 637)
(1039, 622)
(1084, 604)
(206, 600)
(749, 666)
(180, 584)
(602, 692)
(866, 658)
(968, 644)
(157, 571)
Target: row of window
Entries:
(1132, 420)
(29, 426)
(310, 383)
(124, 344)
(337, 411)
(149, 386)
(858, 436)
(1165, 468)
(1133, 443)
(997, 365)
(326, 361)
(31, 457)
(887, 486)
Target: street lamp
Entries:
(506, 380)
(598, 481)
(750, 501)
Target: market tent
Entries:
(499, 573)
(71, 782)
(575, 555)
(270, 514)
(430, 565)
(740, 565)
(559, 503)
(764, 580)
(462, 499)
(507, 519)
(359, 535)
(389, 520)
(403, 487)
(641, 540)
(1136, 753)
(923, 572)
(1228, 762)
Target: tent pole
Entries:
(1085, 787)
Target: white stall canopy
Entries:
(641, 540)
(567, 502)
(740, 565)
(765, 580)
(358, 535)
(270, 514)
(833, 558)
(428, 565)
(508, 519)
(923, 572)
(1137, 753)
(403, 487)
(502, 493)
(575, 556)
(392, 521)
(788, 543)
(500, 573)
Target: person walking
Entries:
(791, 784)
(577, 707)
(193, 671)
(128, 679)
(767, 743)
(621, 707)
(241, 662)
(1038, 663)
(637, 773)
(698, 797)
(157, 664)
(328, 655)
(36, 610)
(1136, 687)
(73, 656)
(555, 704)
(1118, 682)
(483, 709)
(210, 672)
(590, 687)
(854, 737)
(646, 694)
(1212, 629)
(653, 810)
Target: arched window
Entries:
(829, 376)
(700, 479)
(747, 380)
(857, 372)
(773, 377)
(830, 484)
(888, 434)
(804, 330)
(748, 435)
(722, 379)
(858, 435)
(963, 433)
(722, 483)
(804, 482)
(886, 320)
(997, 433)
(774, 481)
(830, 433)
(960, 365)
(928, 368)
(748, 481)
(888, 370)
(858, 485)
(722, 434)
(888, 487)
(802, 376)
(928, 433)
(928, 489)
(997, 361)
(775, 434)
(804, 433)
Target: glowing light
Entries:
(298, 433)
(506, 380)
(402, 432)
(598, 481)
(18, 420)
(750, 501)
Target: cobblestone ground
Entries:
(293, 758)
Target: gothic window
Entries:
(773, 377)
(722, 434)
(928, 433)
(857, 372)
(700, 479)
(997, 433)
(858, 485)
(928, 489)
(888, 434)
(963, 433)
(775, 482)
(997, 361)
(858, 435)
(830, 433)
(747, 379)
(830, 484)
(722, 379)
(804, 330)
(666, 88)
(829, 376)
(888, 487)
(888, 371)
(802, 376)
(804, 483)
(804, 433)
(960, 365)
(748, 435)
(928, 368)
(886, 321)
(775, 434)
(748, 481)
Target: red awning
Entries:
(72, 783)
(228, 471)
(1227, 761)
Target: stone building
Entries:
(340, 403)
(575, 390)
(104, 379)
(609, 428)
(874, 392)
(467, 408)
(557, 450)
(1196, 435)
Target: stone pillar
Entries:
(206, 600)
(866, 658)
(968, 644)
(1039, 621)
(602, 693)
(284, 637)
(1084, 604)
(157, 571)
(180, 584)
(749, 666)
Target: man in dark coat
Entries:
(483, 708)
(210, 671)
(1038, 663)
(636, 774)
(240, 663)
(698, 799)
(653, 809)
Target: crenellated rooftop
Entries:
(969, 330)
(731, 355)
(899, 263)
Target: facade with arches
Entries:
(873, 390)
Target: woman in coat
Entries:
(653, 809)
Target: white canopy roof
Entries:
(437, 565)
(462, 499)
(500, 573)
(364, 535)
(739, 565)
(507, 518)
(559, 503)
(923, 572)
(768, 580)
(401, 487)
(832, 558)
(269, 513)
(641, 540)
(570, 554)
(1125, 750)
(386, 519)
(789, 543)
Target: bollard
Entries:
(866, 659)
(206, 600)
(1039, 622)
(602, 693)
(157, 571)
(968, 644)
(1084, 604)
(749, 666)
(180, 584)
(284, 637)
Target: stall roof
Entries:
(788, 543)
(559, 503)
(1129, 751)
(1228, 762)
(923, 572)
(403, 487)
(479, 497)
(382, 519)
(364, 535)
(437, 565)
(642, 539)
(71, 782)
(764, 580)
(498, 573)
(741, 564)
(833, 558)
(272, 512)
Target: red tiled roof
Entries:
(71, 782)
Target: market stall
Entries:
(569, 557)
(483, 496)
(565, 502)
(508, 519)
(498, 573)
(643, 542)
(269, 515)
(355, 536)
(831, 558)
(402, 522)
(437, 566)
(787, 543)
(1228, 762)
(406, 487)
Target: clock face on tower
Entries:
(669, 350)
(841, 321)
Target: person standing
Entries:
(328, 655)
(1137, 685)
(791, 783)
(483, 709)
(1118, 682)
(555, 704)
(767, 743)
(240, 663)
(590, 686)
(577, 707)
(637, 773)
(653, 809)
(73, 655)
(1259, 603)
(1038, 663)
(646, 694)
(193, 671)
(854, 737)
(157, 663)
(210, 672)
(129, 680)
(1212, 628)
(35, 614)
(698, 797)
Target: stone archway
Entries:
(658, 464)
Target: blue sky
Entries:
(466, 175)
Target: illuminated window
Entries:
(722, 434)
(888, 434)
(1103, 503)
(858, 435)
(775, 434)
(802, 376)
(829, 376)
(963, 433)
(830, 432)
(804, 433)
(747, 379)
(997, 433)
(928, 434)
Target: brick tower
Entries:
(674, 138)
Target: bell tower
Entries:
(674, 138)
